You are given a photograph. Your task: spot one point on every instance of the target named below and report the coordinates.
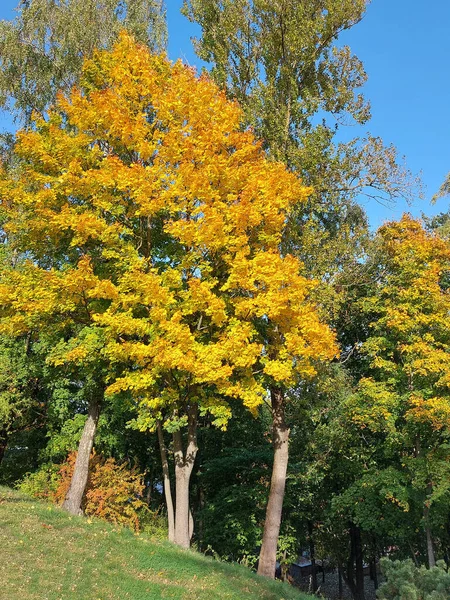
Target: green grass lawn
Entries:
(48, 555)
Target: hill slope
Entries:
(48, 555)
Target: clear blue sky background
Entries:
(405, 47)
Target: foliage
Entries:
(157, 250)
(444, 190)
(114, 491)
(159, 237)
(43, 483)
(48, 553)
(21, 402)
(235, 486)
(406, 393)
(407, 582)
(400, 406)
(266, 52)
(43, 48)
(299, 88)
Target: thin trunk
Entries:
(426, 512)
(430, 548)
(375, 573)
(312, 552)
(268, 554)
(359, 564)
(74, 497)
(201, 494)
(341, 590)
(349, 573)
(184, 463)
(3, 443)
(284, 567)
(413, 555)
(426, 520)
(149, 490)
(354, 576)
(166, 476)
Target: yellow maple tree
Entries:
(144, 212)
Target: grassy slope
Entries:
(47, 555)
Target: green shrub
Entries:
(153, 523)
(42, 484)
(405, 581)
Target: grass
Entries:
(48, 555)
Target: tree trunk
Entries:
(3, 443)
(184, 463)
(359, 564)
(430, 549)
(349, 574)
(413, 555)
(74, 497)
(201, 503)
(426, 520)
(268, 554)
(166, 477)
(312, 553)
(375, 573)
(354, 578)
(182, 505)
(341, 589)
(191, 525)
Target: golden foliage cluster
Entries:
(143, 209)
(114, 492)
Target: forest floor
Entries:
(48, 555)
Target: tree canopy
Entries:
(188, 284)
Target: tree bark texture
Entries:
(184, 464)
(74, 497)
(167, 489)
(268, 554)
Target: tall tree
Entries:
(150, 216)
(405, 393)
(298, 88)
(43, 48)
(280, 59)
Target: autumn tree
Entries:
(299, 89)
(42, 50)
(405, 393)
(150, 216)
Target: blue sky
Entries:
(405, 47)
